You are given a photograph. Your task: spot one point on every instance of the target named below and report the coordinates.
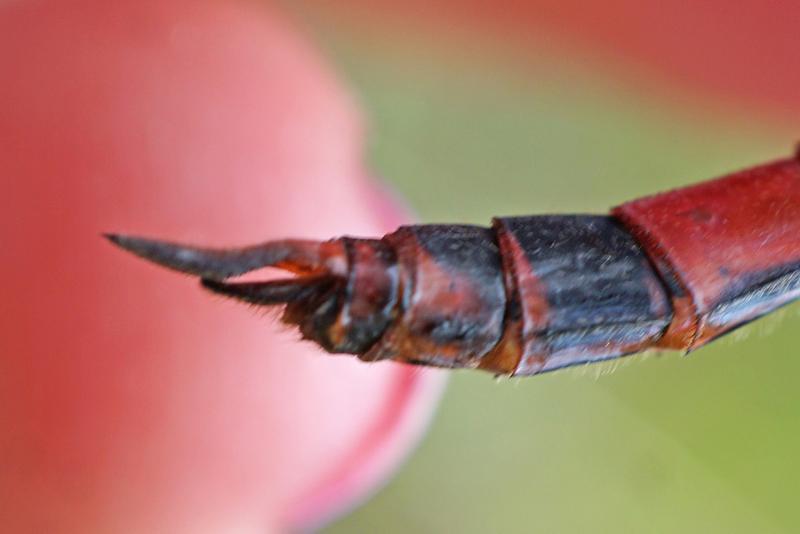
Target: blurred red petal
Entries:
(132, 401)
(742, 53)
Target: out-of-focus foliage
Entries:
(665, 443)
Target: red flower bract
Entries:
(131, 401)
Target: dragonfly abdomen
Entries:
(533, 294)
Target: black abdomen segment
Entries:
(530, 294)
(584, 288)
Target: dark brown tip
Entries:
(270, 293)
(218, 264)
(314, 299)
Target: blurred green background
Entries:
(654, 443)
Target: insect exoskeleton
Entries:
(533, 294)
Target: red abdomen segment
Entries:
(728, 250)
